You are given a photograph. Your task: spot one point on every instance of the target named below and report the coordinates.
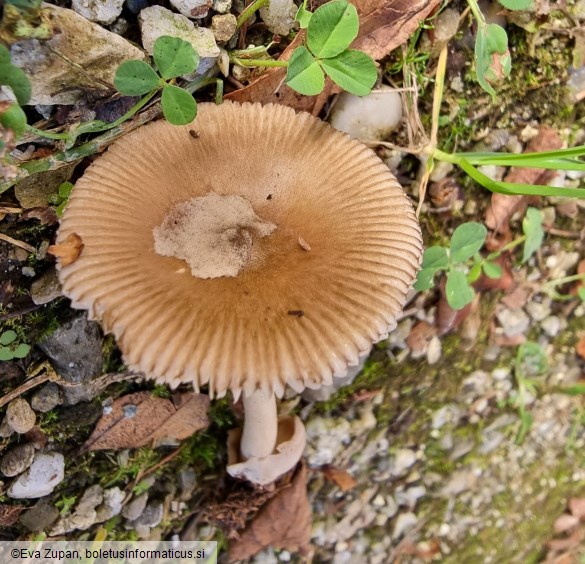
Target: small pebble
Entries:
(45, 473)
(19, 416)
(17, 460)
(224, 27)
(48, 397)
(404, 522)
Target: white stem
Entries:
(260, 425)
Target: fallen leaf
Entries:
(580, 347)
(9, 514)
(46, 215)
(504, 282)
(284, 522)
(387, 25)
(577, 507)
(448, 318)
(518, 297)
(383, 27)
(419, 338)
(68, 251)
(141, 419)
(503, 207)
(343, 479)
(564, 523)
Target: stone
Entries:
(35, 191)
(404, 522)
(45, 473)
(187, 483)
(374, 116)
(224, 27)
(150, 518)
(84, 515)
(192, 8)
(326, 438)
(132, 510)
(404, 458)
(46, 287)
(46, 398)
(279, 16)
(551, 325)
(513, 321)
(111, 506)
(17, 460)
(103, 11)
(19, 416)
(156, 21)
(222, 6)
(91, 47)
(75, 349)
(39, 517)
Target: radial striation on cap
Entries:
(313, 293)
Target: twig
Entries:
(249, 10)
(7, 209)
(17, 243)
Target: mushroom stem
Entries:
(260, 424)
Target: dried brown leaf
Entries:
(9, 514)
(503, 207)
(580, 347)
(46, 215)
(68, 251)
(577, 507)
(142, 419)
(284, 522)
(387, 25)
(343, 479)
(419, 338)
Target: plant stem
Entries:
(511, 245)
(47, 134)
(251, 63)
(476, 12)
(247, 13)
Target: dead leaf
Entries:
(142, 419)
(577, 507)
(448, 318)
(419, 338)
(383, 27)
(46, 215)
(387, 25)
(503, 207)
(68, 251)
(343, 479)
(518, 297)
(580, 347)
(565, 522)
(9, 514)
(284, 522)
(504, 282)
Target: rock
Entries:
(368, 117)
(103, 11)
(47, 398)
(45, 473)
(132, 510)
(136, 6)
(84, 515)
(17, 460)
(410, 496)
(192, 8)
(156, 21)
(111, 506)
(447, 414)
(224, 27)
(222, 6)
(39, 517)
(404, 458)
(460, 481)
(150, 518)
(404, 522)
(551, 326)
(45, 288)
(28, 271)
(326, 438)
(19, 416)
(187, 483)
(5, 429)
(75, 350)
(34, 191)
(513, 321)
(279, 16)
(91, 47)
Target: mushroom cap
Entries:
(323, 286)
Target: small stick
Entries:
(18, 243)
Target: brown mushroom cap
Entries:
(291, 316)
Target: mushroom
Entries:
(191, 258)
